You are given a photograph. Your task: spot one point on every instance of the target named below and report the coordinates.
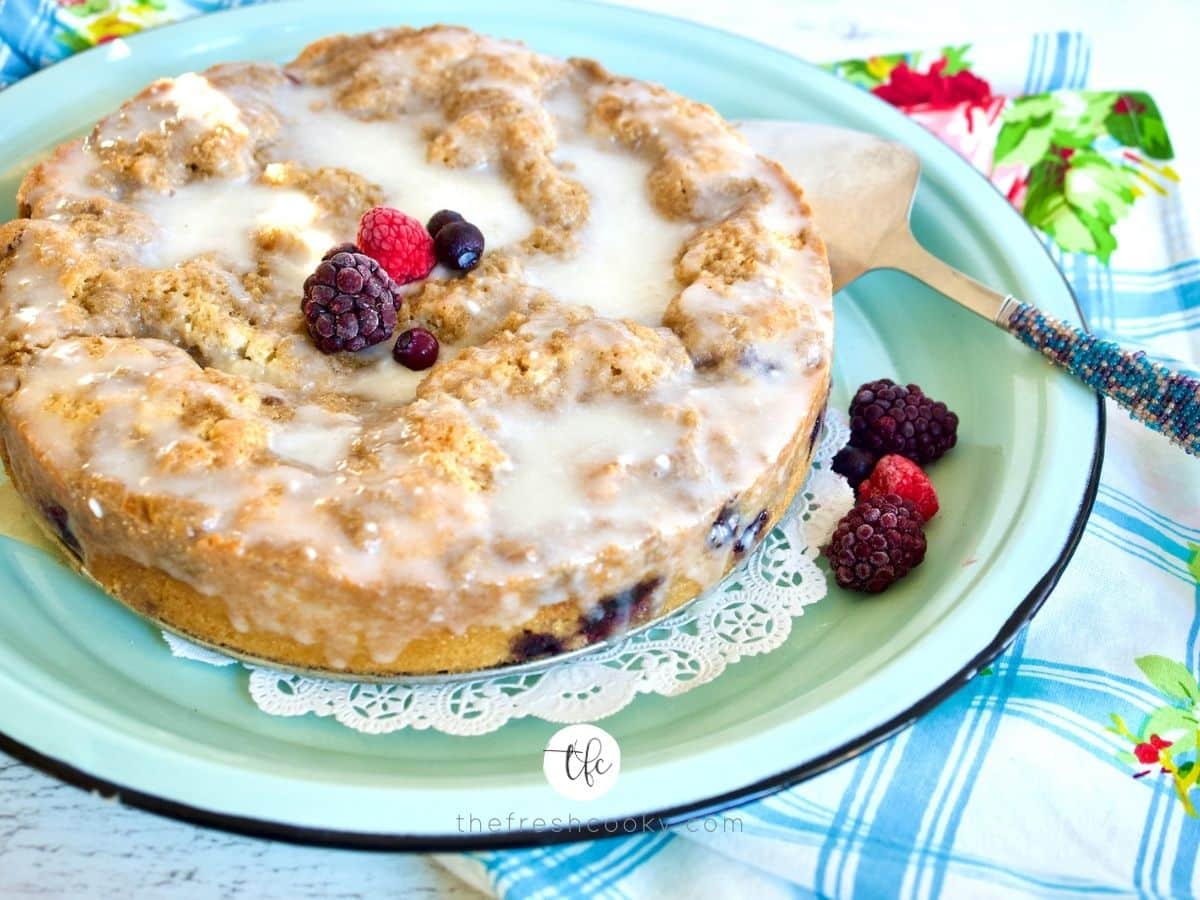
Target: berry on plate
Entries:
(349, 301)
(894, 474)
(890, 418)
(854, 464)
(397, 242)
(416, 348)
(876, 544)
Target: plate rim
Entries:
(669, 817)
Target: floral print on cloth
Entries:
(35, 33)
(1073, 162)
(1022, 783)
(86, 23)
(1167, 739)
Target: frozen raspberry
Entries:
(888, 418)
(349, 301)
(397, 242)
(876, 544)
(895, 474)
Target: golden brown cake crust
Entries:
(630, 387)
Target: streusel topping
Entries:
(635, 349)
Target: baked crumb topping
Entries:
(647, 329)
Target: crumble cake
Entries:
(629, 389)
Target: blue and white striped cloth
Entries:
(1014, 784)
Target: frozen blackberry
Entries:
(886, 417)
(349, 301)
(876, 543)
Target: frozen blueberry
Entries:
(58, 518)
(614, 614)
(416, 348)
(816, 429)
(854, 464)
(533, 645)
(724, 527)
(440, 220)
(750, 533)
(458, 245)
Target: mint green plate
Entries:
(90, 691)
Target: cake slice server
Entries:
(861, 189)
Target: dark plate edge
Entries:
(667, 818)
(651, 821)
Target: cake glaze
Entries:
(629, 387)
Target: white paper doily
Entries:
(749, 613)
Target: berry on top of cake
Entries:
(349, 301)
(608, 344)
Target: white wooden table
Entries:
(59, 841)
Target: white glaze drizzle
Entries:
(591, 475)
(391, 154)
(624, 264)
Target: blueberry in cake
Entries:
(599, 394)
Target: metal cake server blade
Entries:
(861, 189)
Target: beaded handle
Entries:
(1162, 400)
